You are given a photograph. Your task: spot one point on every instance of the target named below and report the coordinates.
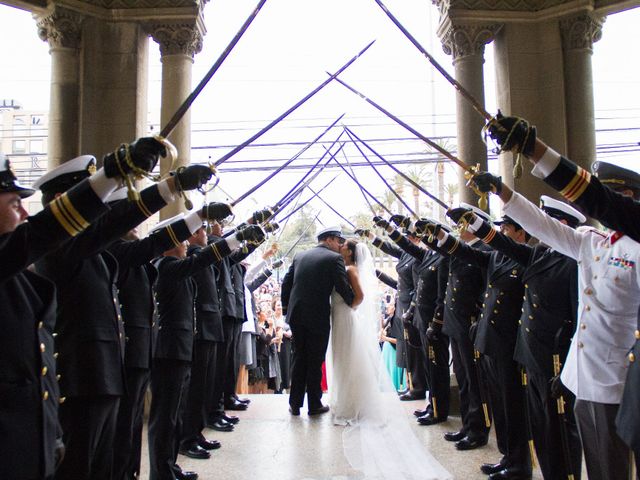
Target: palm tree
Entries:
(420, 175)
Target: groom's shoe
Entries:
(319, 411)
(407, 397)
(420, 413)
(294, 411)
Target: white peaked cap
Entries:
(548, 203)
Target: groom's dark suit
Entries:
(306, 290)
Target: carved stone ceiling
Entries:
(509, 5)
(124, 4)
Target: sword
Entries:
(564, 436)
(481, 389)
(373, 211)
(359, 185)
(384, 180)
(476, 105)
(527, 416)
(354, 137)
(301, 235)
(288, 215)
(469, 170)
(235, 150)
(283, 166)
(168, 128)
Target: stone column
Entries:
(178, 45)
(578, 36)
(61, 28)
(465, 43)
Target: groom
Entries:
(306, 290)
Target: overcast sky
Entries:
(284, 55)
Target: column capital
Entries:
(466, 39)
(60, 27)
(177, 38)
(581, 31)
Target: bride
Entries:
(377, 438)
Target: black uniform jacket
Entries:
(550, 308)
(307, 287)
(136, 276)
(90, 333)
(230, 286)
(498, 324)
(208, 318)
(29, 394)
(432, 269)
(176, 296)
(406, 285)
(617, 212)
(465, 292)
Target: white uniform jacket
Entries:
(609, 296)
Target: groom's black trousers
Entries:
(309, 350)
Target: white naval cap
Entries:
(333, 231)
(481, 213)
(9, 182)
(66, 175)
(562, 211)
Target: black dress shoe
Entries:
(407, 397)
(489, 468)
(429, 419)
(402, 392)
(420, 413)
(220, 425)
(470, 443)
(246, 401)
(209, 444)
(294, 411)
(186, 475)
(195, 451)
(510, 474)
(235, 405)
(319, 411)
(454, 436)
(232, 419)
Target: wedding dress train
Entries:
(377, 438)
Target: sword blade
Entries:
(283, 166)
(175, 119)
(288, 215)
(332, 209)
(301, 236)
(477, 106)
(354, 137)
(230, 154)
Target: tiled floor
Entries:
(269, 443)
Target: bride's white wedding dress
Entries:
(377, 438)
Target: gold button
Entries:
(44, 370)
(492, 322)
(40, 324)
(526, 285)
(535, 305)
(519, 322)
(43, 348)
(527, 330)
(637, 334)
(58, 377)
(530, 317)
(55, 355)
(495, 311)
(580, 344)
(486, 295)
(62, 399)
(120, 335)
(45, 395)
(498, 302)
(490, 286)
(632, 357)
(583, 326)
